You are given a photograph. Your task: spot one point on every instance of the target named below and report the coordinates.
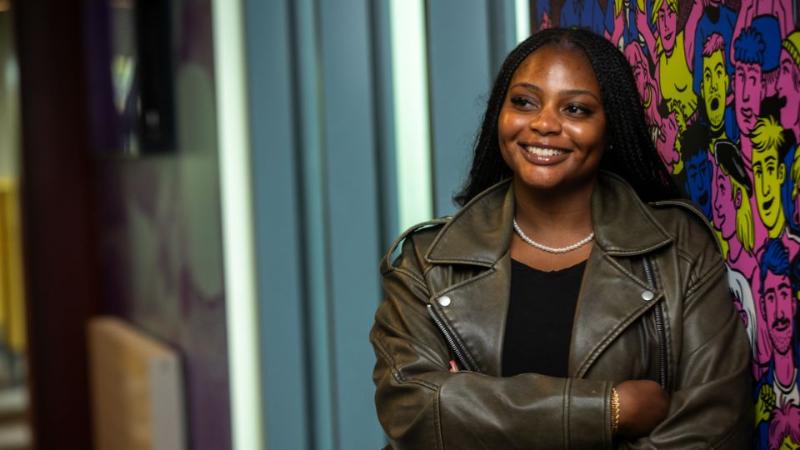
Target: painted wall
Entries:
(721, 86)
(159, 217)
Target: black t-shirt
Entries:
(541, 313)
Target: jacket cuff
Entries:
(588, 400)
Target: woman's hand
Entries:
(642, 406)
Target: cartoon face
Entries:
(645, 83)
(779, 308)
(769, 173)
(665, 140)
(724, 210)
(788, 89)
(552, 125)
(698, 181)
(667, 24)
(737, 304)
(787, 444)
(748, 93)
(715, 88)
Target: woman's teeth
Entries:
(543, 152)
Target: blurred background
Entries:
(194, 198)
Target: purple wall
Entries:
(159, 214)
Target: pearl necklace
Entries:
(557, 250)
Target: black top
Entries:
(541, 312)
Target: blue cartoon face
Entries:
(698, 181)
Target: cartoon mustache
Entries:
(780, 323)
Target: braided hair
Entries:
(631, 153)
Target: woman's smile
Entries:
(543, 155)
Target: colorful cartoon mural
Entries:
(720, 83)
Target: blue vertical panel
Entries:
(384, 116)
(459, 64)
(276, 203)
(309, 100)
(349, 142)
(503, 36)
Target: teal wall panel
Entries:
(309, 96)
(384, 120)
(349, 145)
(278, 232)
(460, 79)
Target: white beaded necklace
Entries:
(557, 250)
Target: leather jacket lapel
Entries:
(611, 298)
(476, 311)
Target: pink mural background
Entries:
(720, 82)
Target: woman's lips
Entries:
(543, 156)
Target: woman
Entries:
(557, 309)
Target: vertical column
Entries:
(309, 98)
(411, 119)
(352, 195)
(385, 120)
(460, 82)
(504, 31)
(237, 216)
(278, 175)
(522, 13)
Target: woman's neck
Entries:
(556, 218)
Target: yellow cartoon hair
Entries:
(673, 6)
(796, 173)
(767, 134)
(745, 229)
(792, 46)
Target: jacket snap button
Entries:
(444, 300)
(647, 296)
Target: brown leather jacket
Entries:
(654, 304)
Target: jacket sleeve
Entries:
(710, 406)
(421, 405)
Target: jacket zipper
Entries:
(658, 314)
(451, 342)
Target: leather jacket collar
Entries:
(480, 233)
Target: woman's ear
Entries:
(737, 198)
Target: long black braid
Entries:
(630, 153)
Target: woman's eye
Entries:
(522, 102)
(577, 110)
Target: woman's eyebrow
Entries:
(565, 93)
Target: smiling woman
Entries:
(566, 305)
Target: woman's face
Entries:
(552, 123)
(667, 23)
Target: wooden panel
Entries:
(137, 392)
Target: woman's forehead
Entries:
(571, 64)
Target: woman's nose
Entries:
(546, 121)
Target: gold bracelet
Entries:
(614, 411)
